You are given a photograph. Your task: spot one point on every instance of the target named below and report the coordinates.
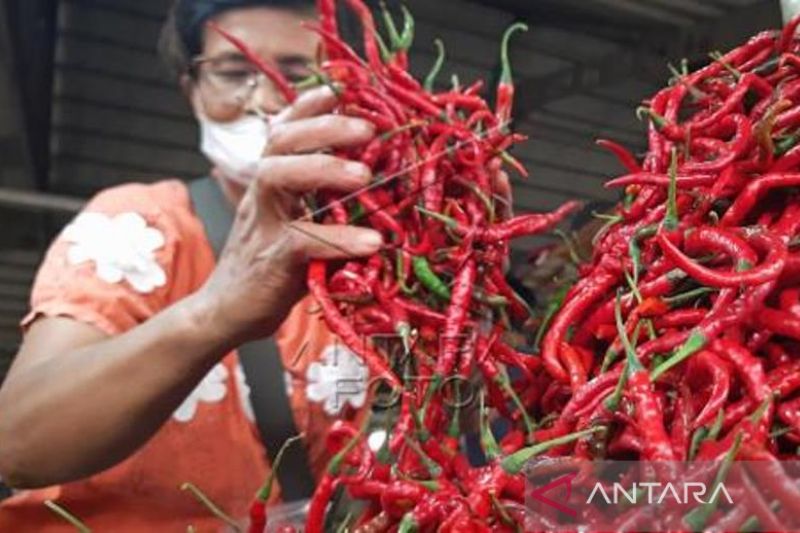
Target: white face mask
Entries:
(235, 148)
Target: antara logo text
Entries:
(659, 493)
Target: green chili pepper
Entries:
(429, 279)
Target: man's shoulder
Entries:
(168, 194)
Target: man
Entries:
(127, 383)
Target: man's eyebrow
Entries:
(294, 61)
(230, 56)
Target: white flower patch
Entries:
(244, 393)
(211, 390)
(122, 248)
(338, 378)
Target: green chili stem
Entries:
(505, 62)
(688, 296)
(567, 240)
(451, 222)
(716, 427)
(696, 518)
(693, 344)
(488, 442)
(697, 438)
(612, 402)
(211, 506)
(633, 363)
(514, 463)
(66, 515)
(401, 279)
(430, 465)
(501, 511)
(552, 308)
(430, 79)
(671, 218)
(337, 460)
(388, 20)
(386, 54)
(505, 384)
(487, 203)
(266, 490)
(719, 58)
(344, 527)
(409, 29)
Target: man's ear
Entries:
(188, 87)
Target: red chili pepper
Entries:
(505, 89)
(624, 156)
(748, 198)
(527, 224)
(771, 474)
(317, 285)
(274, 75)
(457, 316)
(401, 496)
(326, 486)
(648, 178)
(739, 143)
(649, 416)
(683, 415)
(571, 313)
(574, 366)
(719, 375)
(779, 322)
(681, 318)
(770, 269)
(787, 35)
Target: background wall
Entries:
(84, 103)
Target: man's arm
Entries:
(77, 402)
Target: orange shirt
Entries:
(133, 251)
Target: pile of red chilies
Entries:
(437, 290)
(678, 340)
(682, 336)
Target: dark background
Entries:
(84, 103)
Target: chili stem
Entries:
(66, 515)
(211, 506)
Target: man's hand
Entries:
(261, 273)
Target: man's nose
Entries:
(266, 99)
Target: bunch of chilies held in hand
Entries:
(678, 340)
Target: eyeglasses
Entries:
(229, 78)
(233, 79)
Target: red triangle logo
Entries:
(566, 480)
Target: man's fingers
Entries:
(329, 242)
(300, 174)
(309, 104)
(318, 133)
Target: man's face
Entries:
(223, 87)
